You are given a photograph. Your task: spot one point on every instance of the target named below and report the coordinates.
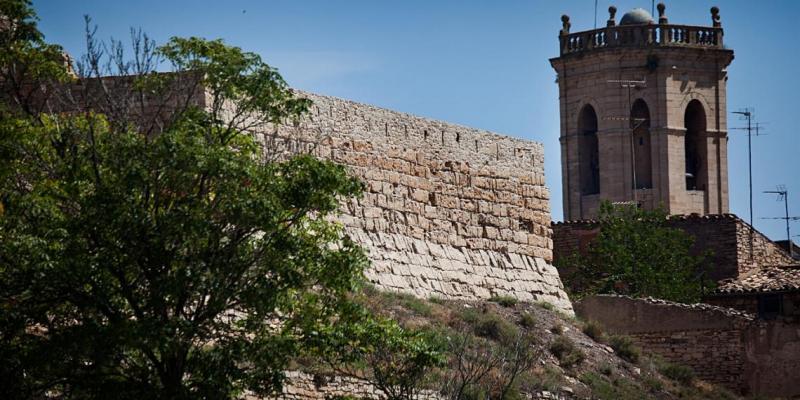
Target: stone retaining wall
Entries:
(721, 345)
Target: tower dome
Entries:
(637, 16)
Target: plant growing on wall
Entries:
(637, 254)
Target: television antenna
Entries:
(783, 194)
(634, 123)
(748, 114)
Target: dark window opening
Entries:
(770, 306)
(694, 146)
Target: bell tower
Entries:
(643, 115)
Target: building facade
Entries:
(643, 115)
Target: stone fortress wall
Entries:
(448, 211)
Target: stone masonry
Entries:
(643, 115)
(721, 345)
(448, 211)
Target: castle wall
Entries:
(448, 211)
(721, 345)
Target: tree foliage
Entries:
(161, 257)
(394, 360)
(637, 254)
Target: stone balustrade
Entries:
(648, 35)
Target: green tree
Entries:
(637, 254)
(394, 360)
(161, 258)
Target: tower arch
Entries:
(588, 151)
(695, 146)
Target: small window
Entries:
(770, 306)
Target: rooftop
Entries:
(763, 280)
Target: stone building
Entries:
(643, 115)
(643, 121)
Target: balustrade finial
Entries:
(565, 24)
(662, 15)
(612, 12)
(715, 17)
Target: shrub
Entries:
(566, 352)
(606, 369)
(505, 301)
(527, 320)
(490, 325)
(653, 383)
(678, 373)
(545, 305)
(624, 347)
(594, 330)
(557, 329)
(408, 301)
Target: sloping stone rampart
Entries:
(448, 211)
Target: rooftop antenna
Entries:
(748, 114)
(783, 194)
(595, 14)
(633, 124)
(653, 7)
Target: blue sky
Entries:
(479, 63)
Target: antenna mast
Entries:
(783, 194)
(748, 115)
(633, 124)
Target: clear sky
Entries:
(479, 63)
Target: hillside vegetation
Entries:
(507, 349)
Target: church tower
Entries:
(643, 115)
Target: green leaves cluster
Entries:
(394, 360)
(26, 57)
(637, 254)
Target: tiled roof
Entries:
(763, 280)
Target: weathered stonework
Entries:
(721, 345)
(448, 211)
(643, 117)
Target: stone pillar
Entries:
(675, 172)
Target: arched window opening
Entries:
(694, 146)
(640, 122)
(588, 151)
